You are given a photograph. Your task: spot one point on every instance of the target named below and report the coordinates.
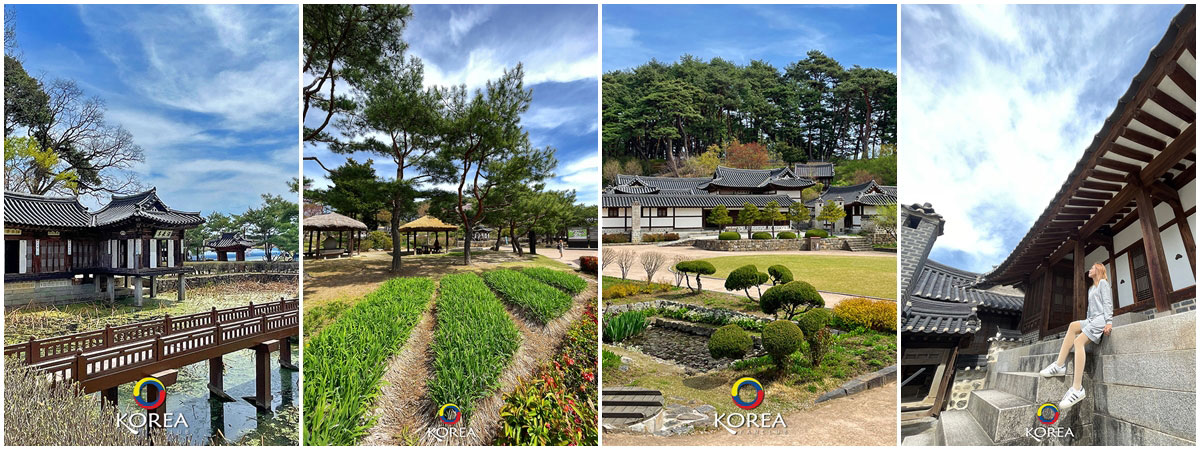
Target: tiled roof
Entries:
(752, 178)
(229, 240)
(661, 182)
(939, 282)
(869, 193)
(970, 362)
(145, 205)
(878, 199)
(39, 210)
(693, 201)
(628, 189)
(938, 317)
(1005, 335)
(814, 169)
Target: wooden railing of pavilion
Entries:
(101, 359)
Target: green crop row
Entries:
(344, 363)
(541, 301)
(566, 281)
(473, 342)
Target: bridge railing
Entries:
(38, 351)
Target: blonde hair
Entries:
(1103, 271)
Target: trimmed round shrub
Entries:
(696, 267)
(814, 320)
(780, 339)
(779, 274)
(729, 341)
(744, 278)
(790, 299)
(785, 235)
(816, 233)
(760, 235)
(729, 236)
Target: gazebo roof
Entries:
(333, 222)
(427, 223)
(230, 240)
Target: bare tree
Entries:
(625, 260)
(679, 276)
(652, 261)
(607, 256)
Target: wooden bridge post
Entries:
(181, 292)
(31, 356)
(262, 375)
(109, 397)
(285, 354)
(216, 379)
(137, 290)
(214, 320)
(108, 336)
(78, 368)
(166, 324)
(153, 286)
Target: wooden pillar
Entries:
(262, 375)
(137, 290)
(109, 397)
(285, 354)
(1079, 290)
(216, 380)
(1047, 296)
(1156, 261)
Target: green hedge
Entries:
(473, 343)
(785, 235)
(816, 233)
(343, 365)
(729, 236)
(761, 235)
(539, 300)
(566, 281)
(729, 341)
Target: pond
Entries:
(687, 349)
(211, 422)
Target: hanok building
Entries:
(948, 316)
(861, 203)
(818, 171)
(1129, 204)
(56, 251)
(230, 243)
(638, 204)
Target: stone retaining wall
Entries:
(215, 267)
(193, 281)
(745, 245)
(617, 309)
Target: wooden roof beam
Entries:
(1115, 205)
(1100, 186)
(1172, 106)
(1085, 202)
(1078, 210)
(1143, 138)
(1180, 147)
(1106, 176)
(1184, 80)
(1156, 124)
(1092, 194)
(1118, 165)
(1130, 153)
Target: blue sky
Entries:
(210, 93)
(471, 44)
(998, 103)
(779, 34)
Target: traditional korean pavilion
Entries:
(56, 251)
(228, 243)
(818, 171)
(860, 201)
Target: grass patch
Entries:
(611, 360)
(567, 282)
(872, 276)
(343, 364)
(473, 342)
(318, 317)
(537, 299)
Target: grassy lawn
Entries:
(850, 355)
(873, 276)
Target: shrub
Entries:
(729, 236)
(622, 290)
(611, 360)
(624, 326)
(565, 281)
(615, 238)
(814, 320)
(790, 298)
(760, 235)
(729, 341)
(785, 235)
(697, 267)
(557, 404)
(745, 277)
(780, 339)
(377, 240)
(588, 264)
(779, 274)
(818, 346)
(539, 300)
(878, 315)
(660, 237)
(473, 342)
(816, 232)
(347, 359)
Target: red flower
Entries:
(588, 376)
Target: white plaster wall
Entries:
(689, 222)
(1124, 290)
(613, 224)
(1187, 196)
(1178, 264)
(1163, 213)
(1128, 236)
(1098, 255)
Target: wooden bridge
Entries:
(102, 360)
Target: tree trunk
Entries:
(671, 157)
(395, 223)
(466, 243)
(532, 243)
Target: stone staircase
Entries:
(1140, 385)
(859, 244)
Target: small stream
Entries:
(211, 422)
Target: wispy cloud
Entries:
(997, 105)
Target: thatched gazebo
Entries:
(329, 224)
(428, 224)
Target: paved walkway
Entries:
(868, 419)
(713, 284)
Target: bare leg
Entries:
(1068, 341)
(1081, 343)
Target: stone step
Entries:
(1032, 386)
(1035, 363)
(918, 440)
(1001, 416)
(958, 428)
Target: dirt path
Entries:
(867, 419)
(403, 397)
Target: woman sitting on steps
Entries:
(1097, 325)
